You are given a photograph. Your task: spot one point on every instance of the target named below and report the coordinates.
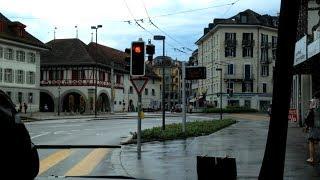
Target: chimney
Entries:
(205, 31)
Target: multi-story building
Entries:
(244, 47)
(172, 79)
(19, 64)
(306, 79)
(72, 71)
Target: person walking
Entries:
(313, 123)
(25, 107)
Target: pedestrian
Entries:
(190, 108)
(269, 110)
(46, 108)
(313, 122)
(25, 107)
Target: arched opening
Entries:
(103, 103)
(73, 102)
(46, 103)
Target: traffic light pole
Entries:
(139, 126)
(163, 90)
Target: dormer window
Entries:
(18, 28)
(243, 18)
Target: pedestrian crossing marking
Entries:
(53, 160)
(87, 164)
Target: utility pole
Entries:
(275, 151)
(184, 97)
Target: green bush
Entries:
(174, 131)
(230, 109)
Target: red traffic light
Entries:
(137, 49)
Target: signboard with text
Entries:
(300, 51)
(292, 116)
(193, 73)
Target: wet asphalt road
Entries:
(75, 162)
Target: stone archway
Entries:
(73, 102)
(103, 103)
(46, 102)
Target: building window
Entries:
(31, 57)
(274, 41)
(8, 53)
(244, 18)
(30, 77)
(8, 75)
(19, 76)
(30, 98)
(1, 52)
(264, 87)
(9, 94)
(264, 54)
(153, 92)
(0, 74)
(264, 39)
(247, 52)
(264, 70)
(146, 92)
(274, 54)
(131, 90)
(230, 69)
(247, 87)
(230, 86)
(118, 79)
(83, 74)
(20, 56)
(20, 97)
(230, 52)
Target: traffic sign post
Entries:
(139, 83)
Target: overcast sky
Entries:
(171, 16)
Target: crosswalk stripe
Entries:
(86, 165)
(53, 159)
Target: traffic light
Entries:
(150, 50)
(127, 58)
(137, 65)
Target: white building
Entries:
(19, 64)
(244, 47)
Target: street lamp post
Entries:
(96, 70)
(158, 37)
(220, 69)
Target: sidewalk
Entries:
(244, 140)
(118, 115)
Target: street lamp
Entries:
(220, 69)
(159, 37)
(96, 70)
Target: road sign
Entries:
(193, 73)
(139, 83)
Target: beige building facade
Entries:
(244, 48)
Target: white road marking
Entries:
(70, 125)
(42, 134)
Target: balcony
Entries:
(82, 82)
(239, 77)
(265, 44)
(230, 43)
(267, 60)
(247, 43)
